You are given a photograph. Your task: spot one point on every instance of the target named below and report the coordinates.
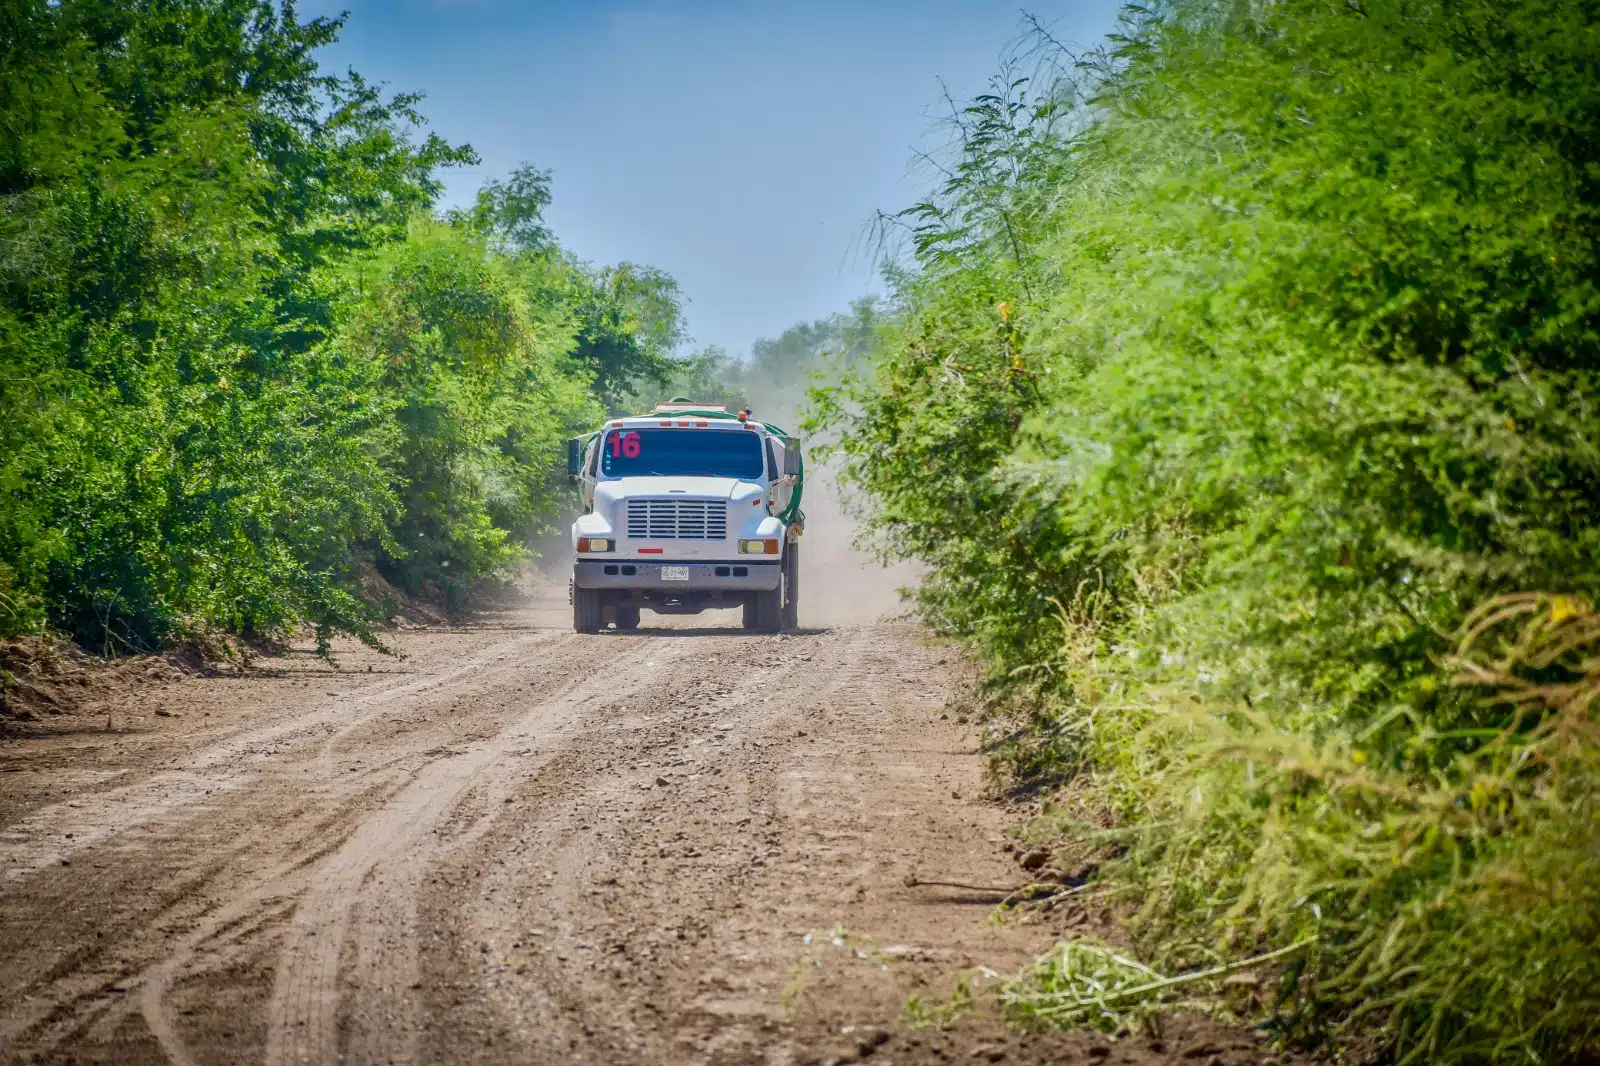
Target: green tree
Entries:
(484, 396)
(630, 321)
(173, 176)
(629, 318)
(512, 211)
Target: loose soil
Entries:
(519, 845)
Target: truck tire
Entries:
(763, 611)
(585, 610)
(627, 618)
(791, 588)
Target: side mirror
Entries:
(791, 461)
(574, 458)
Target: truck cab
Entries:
(686, 509)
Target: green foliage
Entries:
(1218, 405)
(164, 174)
(484, 397)
(512, 211)
(630, 320)
(1084, 984)
(238, 355)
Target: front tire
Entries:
(586, 610)
(627, 618)
(763, 611)
(778, 610)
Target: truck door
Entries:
(782, 490)
(591, 472)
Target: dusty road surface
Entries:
(515, 845)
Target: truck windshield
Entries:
(682, 453)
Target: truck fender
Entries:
(591, 525)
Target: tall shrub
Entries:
(483, 395)
(1221, 415)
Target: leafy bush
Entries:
(484, 396)
(1247, 366)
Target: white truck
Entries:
(686, 509)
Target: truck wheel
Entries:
(791, 588)
(763, 611)
(585, 610)
(627, 618)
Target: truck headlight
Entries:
(759, 547)
(595, 544)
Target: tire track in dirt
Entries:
(318, 817)
(558, 1002)
(58, 832)
(377, 868)
(325, 888)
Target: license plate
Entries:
(674, 573)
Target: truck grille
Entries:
(677, 520)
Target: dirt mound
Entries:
(49, 676)
(398, 609)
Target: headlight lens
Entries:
(759, 547)
(594, 544)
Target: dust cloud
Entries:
(839, 583)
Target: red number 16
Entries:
(626, 445)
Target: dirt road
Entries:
(516, 845)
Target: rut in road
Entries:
(60, 830)
(379, 868)
(292, 790)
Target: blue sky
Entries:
(741, 145)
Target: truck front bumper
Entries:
(702, 577)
